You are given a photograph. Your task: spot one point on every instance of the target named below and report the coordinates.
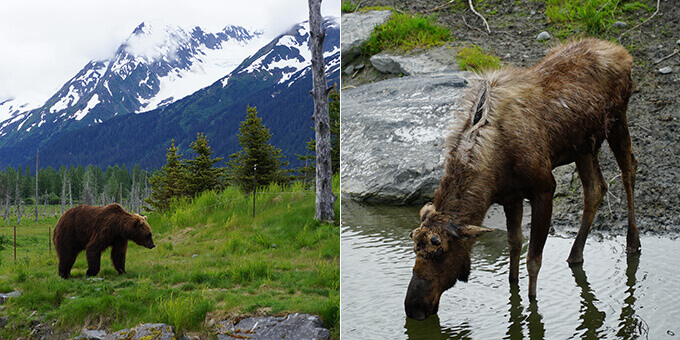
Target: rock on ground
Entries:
(5, 296)
(92, 334)
(147, 331)
(665, 70)
(392, 137)
(357, 28)
(437, 59)
(293, 326)
(543, 36)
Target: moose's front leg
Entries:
(541, 210)
(513, 215)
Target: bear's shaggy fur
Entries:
(93, 229)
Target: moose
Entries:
(514, 128)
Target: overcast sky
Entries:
(44, 43)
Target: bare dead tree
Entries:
(18, 201)
(36, 185)
(70, 197)
(63, 193)
(325, 199)
(45, 205)
(7, 205)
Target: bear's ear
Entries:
(144, 217)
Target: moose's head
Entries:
(442, 250)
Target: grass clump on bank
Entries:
(212, 260)
(406, 32)
(475, 59)
(348, 7)
(590, 17)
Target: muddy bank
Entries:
(653, 113)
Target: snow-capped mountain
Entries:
(156, 65)
(276, 79)
(288, 57)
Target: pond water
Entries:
(612, 296)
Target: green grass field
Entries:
(212, 261)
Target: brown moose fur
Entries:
(520, 124)
(93, 229)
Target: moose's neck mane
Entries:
(464, 192)
(473, 163)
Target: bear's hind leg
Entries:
(118, 251)
(66, 261)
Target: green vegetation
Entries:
(258, 163)
(590, 17)
(475, 59)
(185, 178)
(212, 261)
(203, 175)
(167, 183)
(67, 186)
(347, 7)
(405, 32)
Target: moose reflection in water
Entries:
(518, 126)
(526, 322)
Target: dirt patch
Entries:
(653, 113)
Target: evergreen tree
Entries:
(169, 182)
(201, 173)
(254, 139)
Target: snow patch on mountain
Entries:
(207, 66)
(80, 114)
(11, 107)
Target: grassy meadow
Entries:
(212, 261)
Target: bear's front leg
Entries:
(118, 251)
(93, 259)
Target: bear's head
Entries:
(141, 232)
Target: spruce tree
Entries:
(201, 173)
(254, 139)
(169, 182)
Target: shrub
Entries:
(406, 32)
(474, 59)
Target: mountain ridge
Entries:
(149, 69)
(278, 86)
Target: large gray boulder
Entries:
(292, 326)
(357, 28)
(393, 132)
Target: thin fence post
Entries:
(49, 238)
(15, 243)
(254, 186)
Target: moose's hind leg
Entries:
(619, 142)
(594, 189)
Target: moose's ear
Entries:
(472, 231)
(426, 210)
(465, 231)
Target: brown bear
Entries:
(94, 229)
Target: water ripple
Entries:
(611, 296)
